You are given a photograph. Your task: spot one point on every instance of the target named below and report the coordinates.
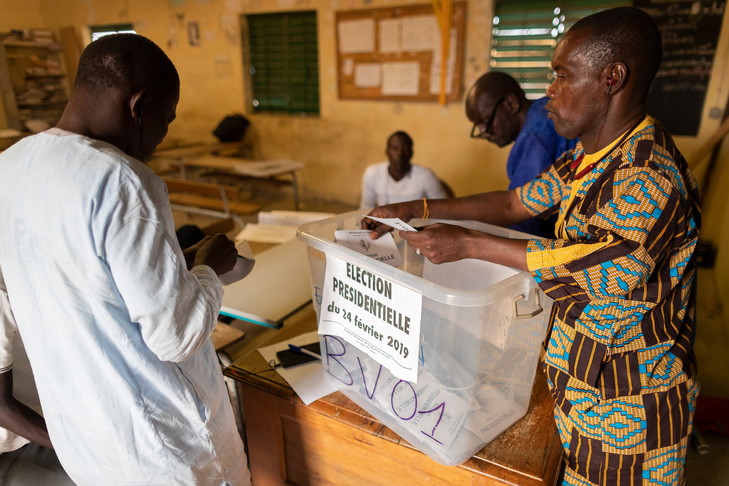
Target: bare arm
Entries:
(441, 243)
(502, 208)
(17, 417)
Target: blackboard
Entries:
(690, 31)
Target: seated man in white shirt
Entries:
(26, 453)
(399, 180)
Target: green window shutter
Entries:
(284, 63)
(98, 31)
(525, 34)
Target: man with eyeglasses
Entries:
(501, 114)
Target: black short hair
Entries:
(490, 87)
(403, 135)
(624, 34)
(129, 62)
(498, 83)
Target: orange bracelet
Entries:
(426, 209)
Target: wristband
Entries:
(426, 209)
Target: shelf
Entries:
(55, 47)
(43, 103)
(33, 84)
(57, 75)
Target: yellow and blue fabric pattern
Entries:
(619, 358)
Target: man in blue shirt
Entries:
(501, 114)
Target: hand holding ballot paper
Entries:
(243, 266)
(382, 249)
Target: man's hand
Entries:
(404, 211)
(217, 252)
(191, 251)
(440, 243)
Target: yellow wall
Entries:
(20, 14)
(348, 135)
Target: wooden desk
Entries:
(334, 441)
(257, 169)
(198, 149)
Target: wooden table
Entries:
(333, 441)
(257, 169)
(199, 149)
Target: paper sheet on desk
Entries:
(309, 381)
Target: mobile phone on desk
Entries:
(289, 358)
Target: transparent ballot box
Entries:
(476, 353)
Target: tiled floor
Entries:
(708, 469)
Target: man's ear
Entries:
(136, 105)
(615, 77)
(511, 103)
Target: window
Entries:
(284, 62)
(526, 32)
(98, 31)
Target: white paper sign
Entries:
(374, 314)
(389, 30)
(383, 249)
(367, 75)
(357, 36)
(400, 78)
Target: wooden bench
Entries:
(207, 198)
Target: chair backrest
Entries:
(449, 192)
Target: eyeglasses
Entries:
(476, 132)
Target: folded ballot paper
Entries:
(383, 249)
(243, 265)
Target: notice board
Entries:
(690, 31)
(394, 53)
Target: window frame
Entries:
(122, 28)
(525, 55)
(296, 91)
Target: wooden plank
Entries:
(201, 188)
(706, 148)
(72, 47)
(229, 164)
(224, 334)
(300, 445)
(222, 226)
(527, 453)
(198, 149)
(211, 203)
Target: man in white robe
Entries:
(116, 327)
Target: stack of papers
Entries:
(278, 226)
(266, 233)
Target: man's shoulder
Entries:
(653, 141)
(421, 172)
(422, 169)
(376, 168)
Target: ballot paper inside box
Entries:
(481, 327)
